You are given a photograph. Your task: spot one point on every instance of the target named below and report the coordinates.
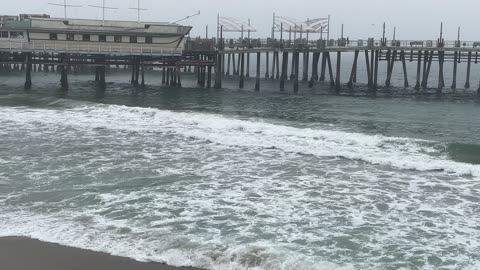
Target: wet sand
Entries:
(18, 253)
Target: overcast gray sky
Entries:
(414, 19)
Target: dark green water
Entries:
(234, 179)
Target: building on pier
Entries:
(35, 33)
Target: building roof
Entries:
(94, 26)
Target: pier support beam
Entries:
(234, 66)
(354, 70)
(64, 74)
(164, 75)
(28, 71)
(242, 70)
(274, 61)
(133, 73)
(296, 65)
(219, 68)
(209, 77)
(267, 63)
(338, 73)
(284, 71)
(179, 80)
(257, 82)
(391, 65)
(142, 84)
(306, 59)
(323, 67)
(369, 70)
(455, 67)
(330, 70)
(404, 66)
(316, 57)
(441, 80)
(428, 58)
(278, 65)
(419, 70)
(229, 60)
(375, 75)
(248, 66)
(469, 68)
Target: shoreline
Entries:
(22, 253)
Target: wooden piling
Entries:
(64, 74)
(404, 66)
(330, 70)
(375, 79)
(248, 66)
(267, 62)
(455, 67)
(284, 71)
(369, 70)
(441, 80)
(228, 64)
(419, 70)
(323, 67)
(257, 82)
(234, 66)
(179, 80)
(163, 75)
(354, 70)
(28, 71)
(316, 57)
(469, 67)
(390, 67)
(338, 73)
(274, 61)
(143, 75)
(296, 65)
(278, 65)
(242, 69)
(427, 72)
(209, 77)
(306, 59)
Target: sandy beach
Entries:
(18, 253)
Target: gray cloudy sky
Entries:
(415, 19)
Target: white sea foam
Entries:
(401, 153)
(101, 238)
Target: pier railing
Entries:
(304, 44)
(101, 48)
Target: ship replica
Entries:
(42, 33)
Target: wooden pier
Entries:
(284, 60)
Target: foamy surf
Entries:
(141, 246)
(400, 153)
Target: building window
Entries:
(4, 34)
(148, 40)
(70, 37)
(117, 39)
(86, 37)
(53, 36)
(133, 39)
(102, 38)
(16, 34)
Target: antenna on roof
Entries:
(186, 18)
(64, 7)
(103, 7)
(138, 9)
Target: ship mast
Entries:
(103, 7)
(65, 6)
(138, 9)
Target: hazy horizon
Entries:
(362, 19)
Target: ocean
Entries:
(236, 179)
